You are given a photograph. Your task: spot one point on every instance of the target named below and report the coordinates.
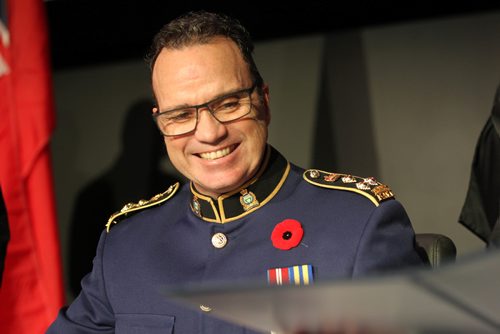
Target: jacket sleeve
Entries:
(91, 311)
(387, 242)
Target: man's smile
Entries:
(218, 153)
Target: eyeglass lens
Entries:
(224, 109)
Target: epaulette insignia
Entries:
(368, 187)
(142, 204)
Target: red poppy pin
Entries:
(287, 234)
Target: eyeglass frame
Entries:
(205, 105)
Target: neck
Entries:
(262, 165)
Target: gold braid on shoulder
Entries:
(142, 204)
(366, 186)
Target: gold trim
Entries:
(252, 180)
(220, 214)
(209, 200)
(371, 198)
(222, 197)
(142, 204)
(268, 198)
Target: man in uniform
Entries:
(247, 214)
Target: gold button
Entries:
(205, 308)
(219, 240)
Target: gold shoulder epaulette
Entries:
(142, 204)
(368, 187)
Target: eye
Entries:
(181, 115)
(227, 104)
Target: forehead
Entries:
(195, 73)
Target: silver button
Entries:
(219, 240)
(314, 173)
(205, 308)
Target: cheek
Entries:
(174, 151)
(260, 132)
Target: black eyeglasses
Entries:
(225, 109)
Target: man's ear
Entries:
(266, 109)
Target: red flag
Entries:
(32, 289)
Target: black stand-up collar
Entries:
(250, 197)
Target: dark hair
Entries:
(200, 28)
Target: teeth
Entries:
(216, 154)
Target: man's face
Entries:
(216, 157)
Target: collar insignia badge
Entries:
(196, 206)
(248, 200)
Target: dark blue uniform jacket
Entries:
(351, 227)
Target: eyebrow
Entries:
(185, 105)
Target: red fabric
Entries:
(32, 289)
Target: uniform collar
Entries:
(250, 197)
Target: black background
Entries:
(86, 32)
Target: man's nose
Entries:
(209, 129)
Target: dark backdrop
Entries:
(93, 31)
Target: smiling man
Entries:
(247, 214)
(214, 146)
